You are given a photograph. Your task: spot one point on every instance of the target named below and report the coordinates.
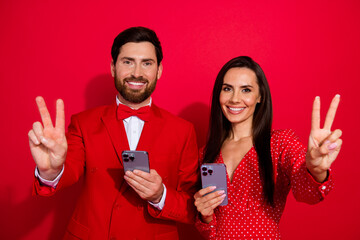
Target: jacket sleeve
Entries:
(179, 202)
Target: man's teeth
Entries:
(136, 83)
(236, 109)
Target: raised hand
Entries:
(48, 144)
(324, 144)
(206, 202)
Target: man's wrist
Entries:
(51, 183)
(51, 174)
(160, 205)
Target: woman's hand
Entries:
(206, 204)
(324, 145)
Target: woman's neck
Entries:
(239, 131)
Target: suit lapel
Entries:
(116, 131)
(151, 129)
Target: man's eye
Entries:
(147, 63)
(126, 62)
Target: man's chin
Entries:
(134, 98)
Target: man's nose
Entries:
(137, 71)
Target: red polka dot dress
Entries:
(247, 216)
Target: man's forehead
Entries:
(138, 50)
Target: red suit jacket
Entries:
(108, 208)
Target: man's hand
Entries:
(48, 144)
(147, 185)
(324, 144)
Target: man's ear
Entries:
(112, 68)
(160, 69)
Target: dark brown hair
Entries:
(220, 127)
(136, 34)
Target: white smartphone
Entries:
(135, 160)
(214, 174)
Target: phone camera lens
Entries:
(125, 155)
(210, 171)
(204, 173)
(132, 158)
(204, 168)
(126, 159)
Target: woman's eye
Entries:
(226, 89)
(246, 90)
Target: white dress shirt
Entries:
(133, 128)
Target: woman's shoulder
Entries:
(283, 135)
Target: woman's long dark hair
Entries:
(220, 127)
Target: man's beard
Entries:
(134, 95)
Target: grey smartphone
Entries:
(135, 160)
(214, 174)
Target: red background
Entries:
(61, 49)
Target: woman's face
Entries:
(239, 95)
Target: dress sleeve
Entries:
(207, 230)
(304, 187)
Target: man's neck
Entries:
(132, 105)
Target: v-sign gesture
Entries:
(324, 144)
(48, 143)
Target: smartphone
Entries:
(214, 174)
(135, 160)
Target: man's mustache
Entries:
(136, 79)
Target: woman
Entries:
(262, 164)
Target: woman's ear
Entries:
(259, 99)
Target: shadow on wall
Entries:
(198, 114)
(100, 91)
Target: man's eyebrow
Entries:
(143, 60)
(128, 58)
(147, 60)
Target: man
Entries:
(114, 204)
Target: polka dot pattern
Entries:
(247, 216)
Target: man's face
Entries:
(135, 73)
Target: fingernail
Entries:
(43, 140)
(212, 188)
(326, 142)
(337, 95)
(223, 196)
(332, 146)
(221, 192)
